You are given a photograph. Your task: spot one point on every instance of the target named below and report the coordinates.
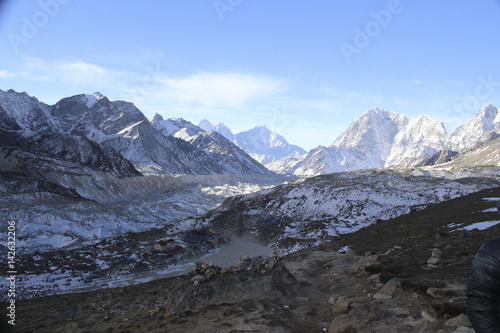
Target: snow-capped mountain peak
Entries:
(378, 138)
(376, 125)
(155, 118)
(224, 130)
(92, 99)
(265, 145)
(469, 134)
(420, 139)
(368, 140)
(173, 125)
(206, 125)
(425, 128)
(217, 127)
(259, 142)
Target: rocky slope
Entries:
(231, 158)
(377, 279)
(35, 151)
(42, 152)
(309, 210)
(487, 153)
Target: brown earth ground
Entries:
(314, 290)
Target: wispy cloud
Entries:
(229, 89)
(80, 72)
(6, 74)
(76, 72)
(202, 90)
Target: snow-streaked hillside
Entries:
(314, 208)
(286, 165)
(322, 160)
(231, 158)
(487, 153)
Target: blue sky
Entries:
(305, 69)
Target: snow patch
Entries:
(480, 225)
(91, 99)
(491, 199)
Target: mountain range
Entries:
(85, 134)
(88, 133)
(385, 139)
(259, 142)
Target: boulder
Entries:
(428, 317)
(391, 287)
(272, 262)
(452, 291)
(357, 319)
(198, 278)
(382, 296)
(401, 312)
(341, 305)
(369, 258)
(461, 320)
(332, 299)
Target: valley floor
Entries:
(380, 282)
